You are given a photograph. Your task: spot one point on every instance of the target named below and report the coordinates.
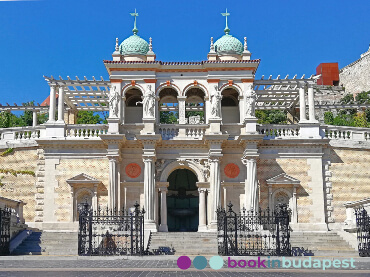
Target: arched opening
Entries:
(182, 201)
(168, 106)
(83, 196)
(194, 106)
(133, 109)
(230, 106)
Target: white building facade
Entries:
(212, 152)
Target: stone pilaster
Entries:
(251, 184)
(163, 227)
(114, 166)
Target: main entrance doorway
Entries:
(182, 201)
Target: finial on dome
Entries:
(135, 30)
(226, 30)
(117, 46)
(212, 48)
(150, 44)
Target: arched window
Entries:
(133, 109)
(230, 106)
(168, 106)
(194, 106)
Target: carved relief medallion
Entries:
(133, 170)
(232, 170)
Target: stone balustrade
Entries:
(182, 131)
(168, 132)
(272, 131)
(345, 133)
(351, 206)
(86, 130)
(21, 133)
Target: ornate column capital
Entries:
(202, 190)
(163, 189)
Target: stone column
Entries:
(52, 104)
(302, 104)
(271, 206)
(113, 182)
(61, 105)
(182, 101)
(163, 227)
(34, 118)
(74, 208)
(202, 210)
(311, 104)
(251, 185)
(215, 185)
(294, 206)
(94, 201)
(149, 191)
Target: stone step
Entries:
(49, 243)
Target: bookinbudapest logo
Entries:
(217, 262)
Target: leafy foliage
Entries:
(351, 117)
(88, 117)
(167, 117)
(8, 119)
(271, 117)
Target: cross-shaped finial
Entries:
(135, 14)
(226, 14)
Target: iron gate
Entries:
(4, 231)
(253, 233)
(110, 232)
(363, 232)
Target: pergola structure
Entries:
(271, 94)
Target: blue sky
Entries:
(73, 37)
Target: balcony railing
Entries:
(345, 133)
(279, 131)
(86, 130)
(182, 131)
(21, 133)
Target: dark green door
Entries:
(182, 201)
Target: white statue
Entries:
(216, 102)
(148, 102)
(113, 102)
(250, 101)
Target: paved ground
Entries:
(34, 266)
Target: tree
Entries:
(328, 118)
(271, 117)
(168, 117)
(88, 117)
(360, 120)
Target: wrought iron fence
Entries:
(363, 232)
(110, 231)
(5, 215)
(253, 233)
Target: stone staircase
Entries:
(322, 243)
(48, 243)
(185, 243)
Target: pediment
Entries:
(283, 178)
(83, 178)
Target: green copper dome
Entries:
(228, 44)
(134, 45)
